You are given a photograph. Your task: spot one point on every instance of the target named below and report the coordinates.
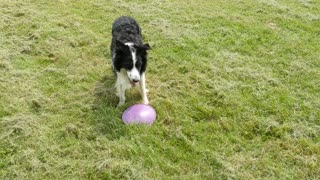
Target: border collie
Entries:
(129, 57)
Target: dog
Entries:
(129, 57)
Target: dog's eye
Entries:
(138, 64)
(128, 66)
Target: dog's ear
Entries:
(146, 47)
(143, 47)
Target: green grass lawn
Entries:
(236, 87)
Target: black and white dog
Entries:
(129, 57)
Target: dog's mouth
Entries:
(133, 83)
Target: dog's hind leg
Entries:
(143, 89)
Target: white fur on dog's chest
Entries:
(123, 80)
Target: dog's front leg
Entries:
(120, 89)
(143, 89)
(122, 97)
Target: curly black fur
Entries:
(126, 29)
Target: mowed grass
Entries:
(236, 87)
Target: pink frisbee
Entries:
(139, 114)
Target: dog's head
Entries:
(133, 58)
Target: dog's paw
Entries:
(120, 104)
(146, 102)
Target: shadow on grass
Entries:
(107, 117)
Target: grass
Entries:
(235, 85)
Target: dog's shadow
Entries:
(106, 114)
(105, 95)
(107, 117)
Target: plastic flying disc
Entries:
(139, 114)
